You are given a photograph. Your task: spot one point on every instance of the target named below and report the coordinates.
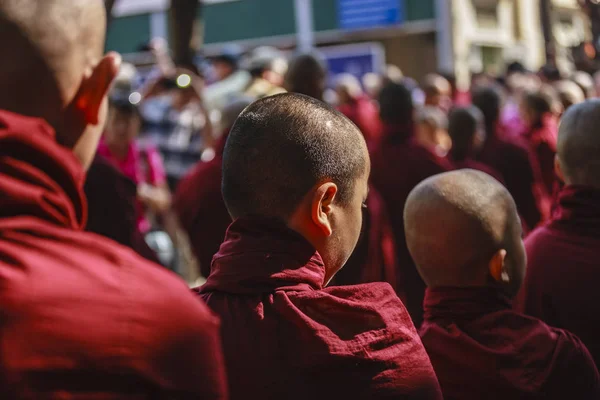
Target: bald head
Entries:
(306, 75)
(46, 47)
(578, 147)
(282, 146)
(456, 222)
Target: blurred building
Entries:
(419, 36)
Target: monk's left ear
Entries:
(322, 207)
(95, 86)
(498, 268)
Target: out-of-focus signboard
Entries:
(366, 14)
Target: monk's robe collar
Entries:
(578, 208)
(398, 133)
(38, 177)
(262, 255)
(453, 304)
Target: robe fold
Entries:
(398, 166)
(82, 316)
(286, 337)
(564, 267)
(481, 349)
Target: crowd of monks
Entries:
(375, 251)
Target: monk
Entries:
(466, 127)
(560, 287)
(463, 231)
(509, 157)
(399, 164)
(438, 92)
(198, 202)
(295, 177)
(81, 315)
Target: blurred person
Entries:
(361, 110)
(597, 82)
(509, 156)
(538, 113)
(585, 82)
(466, 127)
(569, 93)
(198, 201)
(81, 315)
(393, 74)
(560, 286)
(432, 130)
(438, 92)
(398, 165)
(306, 75)
(268, 66)
(472, 258)
(230, 79)
(295, 177)
(372, 82)
(549, 73)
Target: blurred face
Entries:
(222, 70)
(478, 139)
(121, 128)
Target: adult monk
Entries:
(81, 315)
(400, 164)
(464, 233)
(508, 156)
(198, 202)
(466, 127)
(564, 255)
(295, 177)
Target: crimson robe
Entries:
(561, 285)
(512, 159)
(481, 349)
(286, 337)
(365, 115)
(82, 315)
(374, 258)
(201, 210)
(398, 166)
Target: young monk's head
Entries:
(463, 230)
(306, 75)
(297, 159)
(52, 67)
(466, 127)
(432, 129)
(578, 147)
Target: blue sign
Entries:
(365, 14)
(355, 59)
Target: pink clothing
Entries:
(141, 165)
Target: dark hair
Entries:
(489, 101)
(121, 104)
(283, 145)
(306, 75)
(539, 102)
(396, 104)
(463, 123)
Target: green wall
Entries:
(126, 34)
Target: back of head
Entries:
(585, 82)
(578, 146)
(489, 101)
(396, 104)
(539, 103)
(456, 223)
(349, 85)
(569, 93)
(280, 147)
(435, 84)
(463, 125)
(306, 75)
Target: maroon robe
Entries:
(374, 258)
(512, 160)
(481, 349)
(398, 166)
(365, 115)
(561, 286)
(201, 210)
(286, 337)
(81, 315)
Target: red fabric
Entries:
(83, 317)
(201, 210)
(481, 349)
(563, 271)
(374, 259)
(398, 166)
(478, 166)
(364, 113)
(285, 337)
(512, 160)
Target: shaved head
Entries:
(46, 47)
(280, 147)
(456, 222)
(578, 146)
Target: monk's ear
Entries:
(558, 169)
(322, 207)
(95, 86)
(497, 267)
